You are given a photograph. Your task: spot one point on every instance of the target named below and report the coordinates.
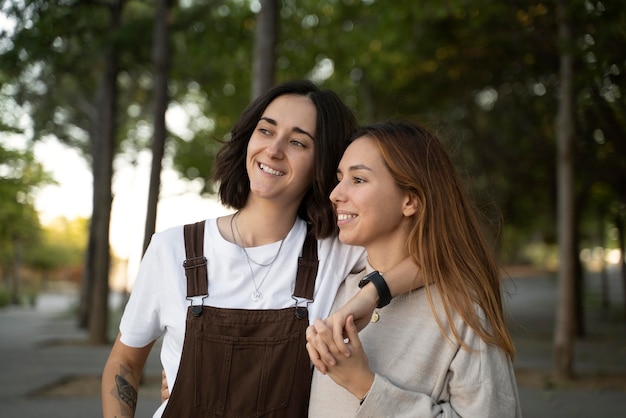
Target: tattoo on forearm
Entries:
(126, 391)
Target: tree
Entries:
(264, 53)
(161, 59)
(488, 70)
(61, 249)
(54, 75)
(103, 150)
(19, 226)
(565, 315)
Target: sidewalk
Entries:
(43, 354)
(599, 358)
(47, 370)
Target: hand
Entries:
(319, 336)
(351, 372)
(165, 390)
(360, 307)
(331, 330)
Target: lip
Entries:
(344, 217)
(269, 170)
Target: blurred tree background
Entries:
(484, 74)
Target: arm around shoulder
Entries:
(399, 280)
(120, 379)
(404, 277)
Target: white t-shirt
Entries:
(158, 304)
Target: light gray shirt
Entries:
(418, 371)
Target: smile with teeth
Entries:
(345, 216)
(270, 170)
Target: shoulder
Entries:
(173, 238)
(166, 239)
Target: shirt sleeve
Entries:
(140, 323)
(337, 261)
(480, 383)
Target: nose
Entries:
(275, 147)
(337, 194)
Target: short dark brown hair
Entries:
(334, 125)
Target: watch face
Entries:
(363, 282)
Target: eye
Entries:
(297, 143)
(264, 131)
(358, 180)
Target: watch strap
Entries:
(377, 279)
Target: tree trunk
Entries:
(604, 277)
(102, 154)
(579, 283)
(264, 55)
(621, 236)
(565, 314)
(86, 289)
(578, 322)
(161, 60)
(16, 271)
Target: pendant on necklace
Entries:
(375, 317)
(256, 296)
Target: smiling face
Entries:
(372, 210)
(281, 151)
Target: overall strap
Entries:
(196, 264)
(307, 268)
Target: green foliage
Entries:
(63, 244)
(5, 298)
(19, 176)
(211, 69)
(51, 44)
(487, 72)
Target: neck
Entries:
(263, 225)
(383, 256)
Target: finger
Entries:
(339, 338)
(315, 358)
(353, 333)
(324, 343)
(314, 355)
(165, 393)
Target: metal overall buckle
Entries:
(301, 311)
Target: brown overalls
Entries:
(241, 362)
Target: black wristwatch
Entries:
(384, 295)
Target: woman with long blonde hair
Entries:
(442, 350)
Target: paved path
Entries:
(532, 306)
(41, 348)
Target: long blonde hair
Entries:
(445, 240)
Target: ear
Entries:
(410, 205)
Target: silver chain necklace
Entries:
(256, 295)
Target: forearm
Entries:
(120, 380)
(358, 382)
(385, 398)
(120, 386)
(403, 278)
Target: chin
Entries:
(347, 239)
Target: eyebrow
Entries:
(356, 167)
(295, 129)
